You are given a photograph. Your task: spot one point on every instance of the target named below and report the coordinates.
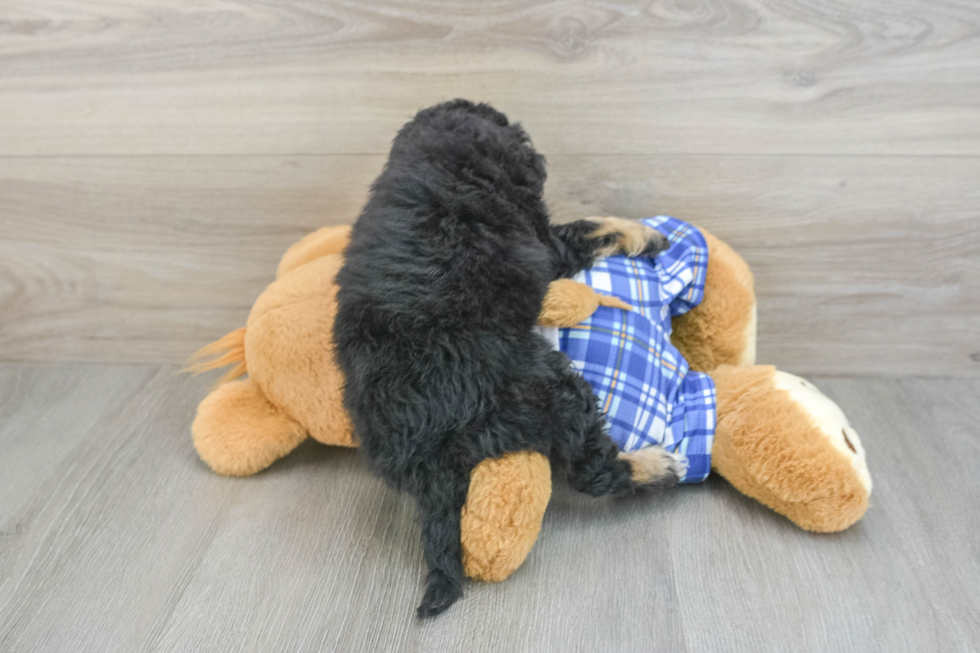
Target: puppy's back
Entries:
(446, 269)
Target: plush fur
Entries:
(287, 351)
(239, 432)
(773, 449)
(569, 302)
(443, 282)
(721, 329)
(500, 522)
(322, 242)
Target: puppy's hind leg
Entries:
(600, 468)
(440, 504)
(597, 467)
(654, 466)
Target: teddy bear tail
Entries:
(227, 350)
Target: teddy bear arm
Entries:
(783, 443)
(504, 507)
(324, 241)
(721, 329)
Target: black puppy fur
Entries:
(443, 282)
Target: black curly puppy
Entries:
(438, 298)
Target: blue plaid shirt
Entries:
(644, 385)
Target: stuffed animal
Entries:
(668, 345)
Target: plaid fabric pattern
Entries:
(645, 387)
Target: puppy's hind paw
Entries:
(655, 466)
(441, 591)
(629, 237)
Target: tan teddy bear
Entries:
(777, 438)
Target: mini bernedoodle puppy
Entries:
(442, 286)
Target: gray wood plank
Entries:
(116, 538)
(99, 540)
(863, 265)
(728, 76)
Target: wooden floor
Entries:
(114, 537)
(157, 157)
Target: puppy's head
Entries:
(460, 134)
(460, 107)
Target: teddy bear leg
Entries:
(324, 241)
(237, 432)
(504, 507)
(721, 329)
(783, 443)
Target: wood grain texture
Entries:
(863, 265)
(156, 158)
(617, 76)
(114, 537)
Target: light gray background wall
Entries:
(157, 158)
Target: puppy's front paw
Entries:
(629, 237)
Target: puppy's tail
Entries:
(654, 466)
(227, 350)
(440, 506)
